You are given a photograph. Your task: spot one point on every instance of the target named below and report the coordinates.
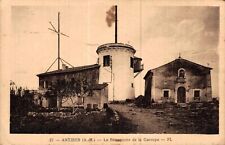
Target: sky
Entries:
(158, 33)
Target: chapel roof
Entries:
(179, 63)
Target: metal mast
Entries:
(58, 40)
(58, 34)
(116, 23)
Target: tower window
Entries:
(106, 60)
(131, 62)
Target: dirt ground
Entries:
(143, 119)
(170, 120)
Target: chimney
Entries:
(64, 66)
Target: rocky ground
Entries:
(81, 121)
(199, 118)
(167, 118)
(52, 122)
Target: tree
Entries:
(21, 100)
(66, 90)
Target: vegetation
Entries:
(67, 90)
(26, 117)
(81, 121)
(21, 100)
(142, 101)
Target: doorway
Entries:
(181, 95)
(52, 101)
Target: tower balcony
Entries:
(138, 67)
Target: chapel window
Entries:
(197, 95)
(166, 93)
(181, 73)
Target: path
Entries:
(145, 119)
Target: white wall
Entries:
(123, 76)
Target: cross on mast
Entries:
(59, 34)
(179, 55)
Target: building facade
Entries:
(179, 81)
(72, 87)
(114, 75)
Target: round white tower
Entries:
(116, 62)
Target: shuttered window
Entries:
(106, 60)
(131, 62)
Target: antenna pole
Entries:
(58, 33)
(116, 23)
(58, 40)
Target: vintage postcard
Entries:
(112, 72)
